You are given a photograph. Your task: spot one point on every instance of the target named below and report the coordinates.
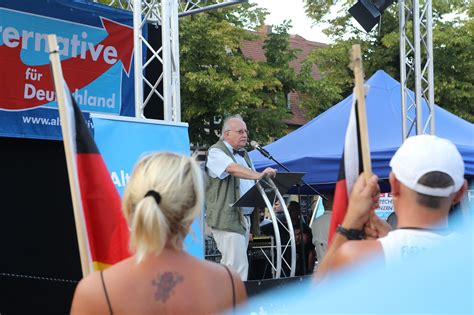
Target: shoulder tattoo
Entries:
(165, 283)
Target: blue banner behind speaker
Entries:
(122, 141)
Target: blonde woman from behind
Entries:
(163, 196)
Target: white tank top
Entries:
(402, 244)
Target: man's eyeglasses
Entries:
(240, 132)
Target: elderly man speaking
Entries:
(230, 174)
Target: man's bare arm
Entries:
(364, 198)
(239, 171)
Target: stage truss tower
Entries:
(416, 66)
(164, 13)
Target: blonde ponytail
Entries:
(150, 228)
(162, 198)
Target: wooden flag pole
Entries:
(361, 113)
(79, 219)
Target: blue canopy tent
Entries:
(316, 147)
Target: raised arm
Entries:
(341, 252)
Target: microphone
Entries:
(264, 152)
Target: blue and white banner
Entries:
(122, 141)
(96, 48)
(385, 208)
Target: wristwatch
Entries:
(351, 234)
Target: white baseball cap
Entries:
(422, 154)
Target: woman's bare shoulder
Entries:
(224, 280)
(213, 270)
(89, 297)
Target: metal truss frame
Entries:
(416, 65)
(164, 13)
(263, 187)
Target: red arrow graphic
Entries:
(26, 87)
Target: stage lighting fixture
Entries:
(368, 12)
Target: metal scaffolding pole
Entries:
(416, 67)
(164, 13)
(167, 37)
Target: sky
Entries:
(281, 10)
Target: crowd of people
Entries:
(166, 191)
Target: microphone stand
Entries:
(267, 154)
(303, 252)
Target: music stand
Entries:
(253, 197)
(259, 195)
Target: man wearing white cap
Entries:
(427, 178)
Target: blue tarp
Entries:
(316, 147)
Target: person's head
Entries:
(234, 132)
(294, 210)
(277, 206)
(261, 212)
(429, 168)
(163, 196)
(297, 232)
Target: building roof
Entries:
(254, 50)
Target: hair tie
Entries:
(154, 194)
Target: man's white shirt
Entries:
(218, 161)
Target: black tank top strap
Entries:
(233, 287)
(105, 292)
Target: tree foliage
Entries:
(279, 54)
(453, 42)
(216, 79)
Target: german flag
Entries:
(107, 229)
(349, 169)
(102, 232)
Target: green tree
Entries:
(454, 68)
(279, 54)
(453, 42)
(216, 79)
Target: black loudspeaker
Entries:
(368, 12)
(260, 255)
